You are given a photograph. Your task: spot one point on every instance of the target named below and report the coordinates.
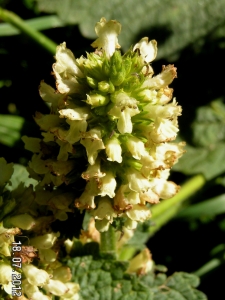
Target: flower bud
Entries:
(141, 263)
(96, 100)
(92, 82)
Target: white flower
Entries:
(165, 189)
(104, 210)
(66, 71)
(107, 33)
(139, 213)
(113, 150)
(163, 79)
(141, 263)
(137, 182)
(136, 147)
(169, 111)
(35, 276)
(76, 113)
(5, 274)
(86, 200)
(107, 185)
(56, 287)
(93, 171)
(32, 291)
(72, 291)
(92, 141)
(125, 107)
(125, 198)
(148, 50)
(163, 130)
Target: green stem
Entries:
(19, 23)
(108, 242)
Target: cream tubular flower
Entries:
(165, 189)
(113, 150)
(136, 147)
(104, 210)
(56, 287)
(148, 50)
(35, 276)
(137, 182)
(125, 107)
(6, 277)
(72, 291)
(141, 263)
(139, 213)
(93, 171)
(163, 79)
(66, 71)
(107, 33)
(107, 185)
(163, 130)
(86, 200)
(92, 141)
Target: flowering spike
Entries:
(109, 132)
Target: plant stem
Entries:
(108, 242)
(19, 23)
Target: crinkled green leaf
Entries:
(208, 161)
(209, 137)
(106, 280)
(209, 125)
(177, 23)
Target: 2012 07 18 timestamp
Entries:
(16, 268)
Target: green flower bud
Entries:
(117, 71)
(97, 100)
(92, 82)
(106, 87)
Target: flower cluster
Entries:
(109, 132)
(20, 211)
